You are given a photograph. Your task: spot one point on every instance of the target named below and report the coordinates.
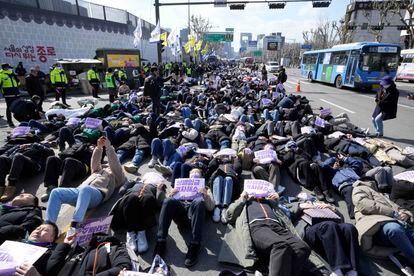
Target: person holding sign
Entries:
(267, 165)
(185, 213)
(97, 188)
(262, 227)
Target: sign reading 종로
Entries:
(258, 188)
(188, 188)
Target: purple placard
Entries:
(265, 156)
(91, 226)
(92, 122)
(20, 131)
(208, 152)
(258, 188)
(228, 151)
(320, 122)
(266, 101)
(188, 188)
(73, 121)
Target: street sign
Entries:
(220, 3)
(252, 44)
(230, 30)
(217, 37)
(306, 47)
(257, 53)
(272, 46)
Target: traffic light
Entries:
(351, 27)
(278, 5)
(402, 27)
(376, 27)
(321, 4)
(237, 6)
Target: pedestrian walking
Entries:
(34, 86)
(152, 88)
(59, 82)
(21, 73)
(9, 88)
(386, 104)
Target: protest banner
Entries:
(20, 131)
(136, 273)
(91, 226)
(407, 176)
(258, 188)
(93, 123)
(265, 156)
(275, 95)
(188, 188)
(320, 122)
(73, 121)
(229, 152)
(207, 152)
(306, 130)
(325, 112)
(13, 254)
(266, 101)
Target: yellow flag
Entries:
(205, 50)
(192, 41)
(187, 47)
(163, 38)
(198, 45)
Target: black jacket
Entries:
(37, 152)
(16, 222)
(387, 102)
(34, 85)
(25, 110)
(77, 261)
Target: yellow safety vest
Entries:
(109, 80)
(7, 79)
(92, 75)
(58, 76)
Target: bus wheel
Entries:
(310, 79)
(338, 82)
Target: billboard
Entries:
(120, 60)
(252, 44)
(272, 46)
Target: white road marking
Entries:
(338, 106)
(372, 98)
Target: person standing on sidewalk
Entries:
(110, 84)
(34, 86)
(94, 81)
(59, 82)
(386, 104)
(9, 88)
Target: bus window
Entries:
(379, 62)
(339, 58)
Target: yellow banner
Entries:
(192, 41)
(119, 60)
(164, 40)
(205, 50)
(187, 47)
(198, 45)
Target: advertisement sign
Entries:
(119, 60)
(272, 46)
(252, 44)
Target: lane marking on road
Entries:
(338, 106)
(372, 98)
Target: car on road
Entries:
(272, 66)
(406, 68)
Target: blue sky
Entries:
(255, 18)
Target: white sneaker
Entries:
(131, 240)
(216, 214)
(130, 168)
(224, 216)
(366, 131)
(164, 170)
(142, 242)
(152, 162)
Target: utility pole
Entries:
(157, 19)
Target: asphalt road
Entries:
(359, 106)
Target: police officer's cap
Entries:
(5, 65)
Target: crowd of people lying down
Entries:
(216, 151)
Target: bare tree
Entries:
(199, 26)
(325, 35)
(344, 30)
(292, 51)
(404, 9)
(377, 16)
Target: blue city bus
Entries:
(357, 65)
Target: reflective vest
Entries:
(109, 80)
(188, 70)
(121, 75)
(58, 76)
(93, 75)
(8, 83)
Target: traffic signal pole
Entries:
(157, 19)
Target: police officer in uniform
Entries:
(94, 81)
(59, 82)
(9, 87)
(110, 85)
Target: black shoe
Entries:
(11, 124)
(328, 197)
(159, 249)
(318, 193)
(192, 255)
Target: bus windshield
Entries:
(379, 62)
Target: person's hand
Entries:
(173, 192)
(203, 191)
(161, 186)
(255, 160)
(403, 216)
(101, 142)
(321, 205)
(26, 269)
(306, 205)
(244, 196)
(121, 273)
(273, 196)
(340, 156)
(107, 143)
(70, 240)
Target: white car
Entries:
(272, 66)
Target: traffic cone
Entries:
(298, 86)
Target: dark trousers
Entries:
(184, 215)
(60, 92)
(288, 253)
(65, 135)
(139, 213)
(70, 168)
(95, 89)
(337, 242)
(346, 192)
(180, 170)
(19, 166)
(272, 174)
(156, 105)
(9, 101)
(312, 175)
(112, 94)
